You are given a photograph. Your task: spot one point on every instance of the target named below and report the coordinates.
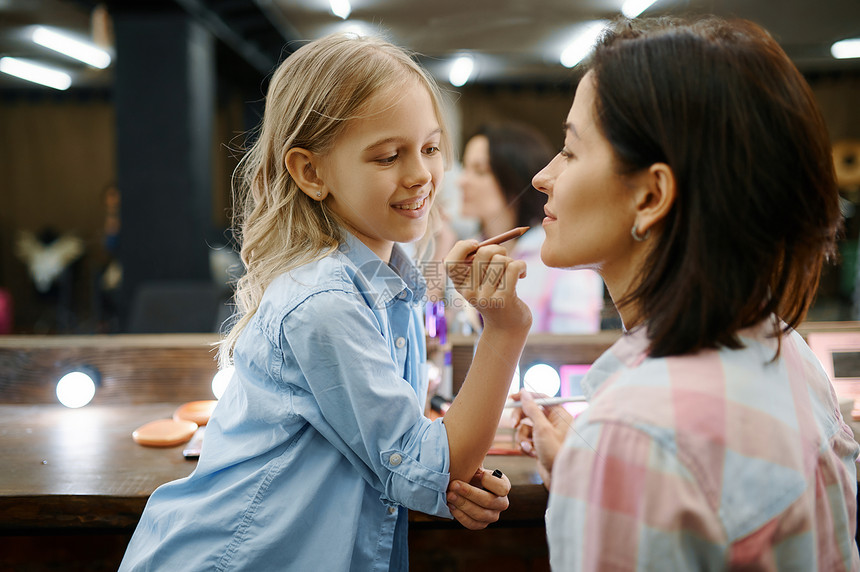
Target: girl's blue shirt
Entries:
(319, 443)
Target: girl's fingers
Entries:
(514, 271)
(499, 287)
(470, 276)
(499, 486)
(455, 264)
(492, 275)
(460, 251)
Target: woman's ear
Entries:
(655, 196)
(302, 166)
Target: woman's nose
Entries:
(542, 181)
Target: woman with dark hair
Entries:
(696, 175)
(499, 162)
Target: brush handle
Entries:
(549, 401)
(499, 239)
(505, 236)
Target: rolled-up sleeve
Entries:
(345, 382)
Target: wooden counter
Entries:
(80, 468)
(74, 482)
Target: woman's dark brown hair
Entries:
(757, 209)
(517, 153)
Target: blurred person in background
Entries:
(499, 162)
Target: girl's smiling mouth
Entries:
(413, 205)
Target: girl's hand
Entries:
(479, 503)
(541, 432)
(487, 279)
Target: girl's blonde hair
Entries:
(312, 96)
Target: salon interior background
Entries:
(186, 81)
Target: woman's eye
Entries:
(565, 153)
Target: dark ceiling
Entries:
(510, 40)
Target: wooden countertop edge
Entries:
(22, 513)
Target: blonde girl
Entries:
(319, 445)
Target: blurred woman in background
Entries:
(499, 162)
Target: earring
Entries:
(639, 237)
(319, 194)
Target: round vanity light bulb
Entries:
(542, 378)
(76, 389)
(220, 381)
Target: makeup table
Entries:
(76, 475)
(80, 468)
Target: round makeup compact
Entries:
(164, 433)
(196, 411)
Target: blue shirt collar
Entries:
(399, 278)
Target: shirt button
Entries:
(400, 342)
(392, 509)
(395, 459)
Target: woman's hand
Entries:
(541, 432)
(479, 503)
(487, 278)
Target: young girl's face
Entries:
(482, 196)
(382, 174)
(589, 209)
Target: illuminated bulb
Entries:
(461, 71)
(340, 8)
(82, 51)
(220, 381)
(582, 44)
(845, 49)
(542, 378)
(35, 73)
(76, 389)
(632, 8)
(433, 371)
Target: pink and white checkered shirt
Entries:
(720, 460)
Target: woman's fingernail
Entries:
(526, 447)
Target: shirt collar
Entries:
(627, 352)
(398, 279)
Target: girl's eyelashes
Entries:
(565, 153)
(387, 160)
(430, 150)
